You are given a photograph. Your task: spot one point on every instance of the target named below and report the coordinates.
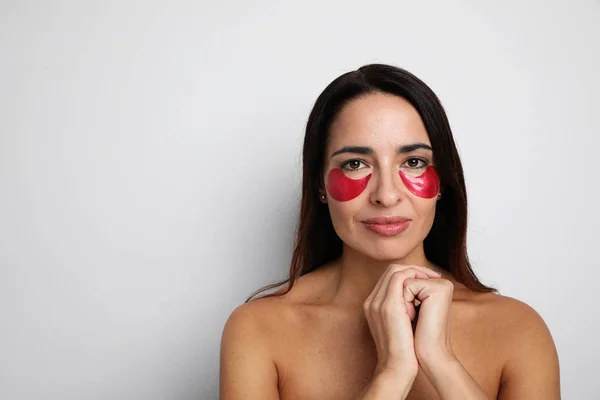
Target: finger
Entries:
(379, 283)
(374, 307)
(420, 289)
(430, 272)
(394, 290)
(403, 273)
(393, 268)
(435, 309)
(394, 307)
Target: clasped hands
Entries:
(390, 312)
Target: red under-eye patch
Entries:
(426, 185)
(342, 188)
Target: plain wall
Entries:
(150, 171)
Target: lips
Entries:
(385, 220)
(387, 226)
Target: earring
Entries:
(322, 197)
(439, 194)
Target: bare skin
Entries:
(344, 330)
(341, 348)
(319, 349)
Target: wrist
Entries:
(451, 380)
(388, 374)
(441, 371)
(392, 384)
(436, 363)
(398, 369)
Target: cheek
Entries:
(342, 188)
(426, 185)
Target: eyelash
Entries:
(343, 166)
(425, 163)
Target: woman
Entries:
(381, 302)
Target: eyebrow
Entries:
(367, 150)
(412, 147)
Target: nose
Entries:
(389, 189)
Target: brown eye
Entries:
(416, 163)
(352, 165)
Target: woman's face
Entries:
(379, 177)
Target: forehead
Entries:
(377, 120)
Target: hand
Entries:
(389, 317)
(432, 333)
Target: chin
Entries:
(387, 256)
(390, 251)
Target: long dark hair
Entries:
(316, 240)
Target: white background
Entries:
(150, 171)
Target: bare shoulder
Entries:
(530, 368)
(258, 320)
(252, 317)
(512, 318)
(249, 348)
(267, 319)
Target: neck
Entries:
(358, 273)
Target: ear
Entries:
(322, 196)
